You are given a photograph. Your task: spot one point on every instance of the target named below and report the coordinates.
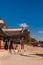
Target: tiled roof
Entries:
(13, 32)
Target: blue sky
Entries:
(28, 12)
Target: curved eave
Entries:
(2, 33)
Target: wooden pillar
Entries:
(22, 43)
(0, 44)
(9, 44)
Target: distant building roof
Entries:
(1, 21)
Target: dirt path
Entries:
(21, 60)
(32, 56)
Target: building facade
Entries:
(14, 34)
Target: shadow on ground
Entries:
(39, 55)
(32, 55)
(25, 55)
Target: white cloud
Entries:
(33, 35)
(41, 39)
(23, 25)
(40, 32)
